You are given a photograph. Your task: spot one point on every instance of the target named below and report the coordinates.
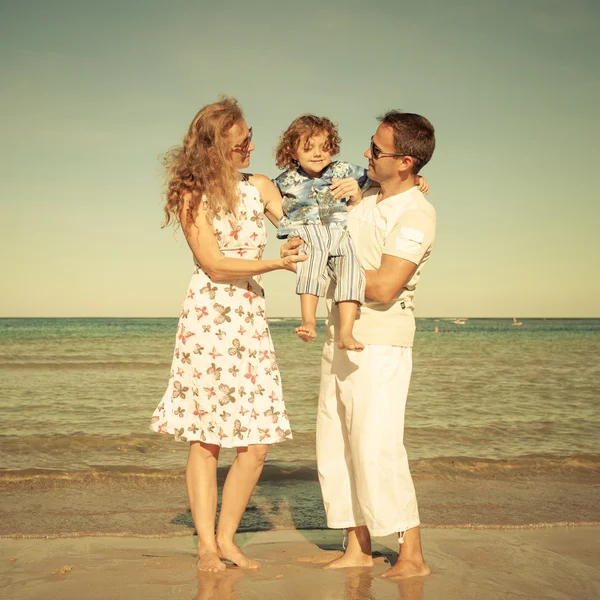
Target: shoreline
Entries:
(192, 534)
(159, 507)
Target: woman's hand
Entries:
(289, 262)
(290, 252)
(423, 185)
(346, 188)
(291, 247)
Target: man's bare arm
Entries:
(394, 273)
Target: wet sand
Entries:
(550, 563)
(158, 505)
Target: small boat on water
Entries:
(516, 323)
(459, 321)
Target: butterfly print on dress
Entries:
(223, 384)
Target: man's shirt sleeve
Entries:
(412, 237)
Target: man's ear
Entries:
(406, 165)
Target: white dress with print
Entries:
(224, 386)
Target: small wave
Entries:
(191, 532)
(502, 526)
(524, 465)
(281, 472)
(276, 472)
(82, 443)
(94, 473)
(66, 365)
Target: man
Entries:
(363, 467)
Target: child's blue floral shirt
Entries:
(308, 200)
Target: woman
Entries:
(224, 389)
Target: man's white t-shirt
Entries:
(402, 226)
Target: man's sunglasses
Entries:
(377, 152)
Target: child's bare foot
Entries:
(229, 551)
(348, 342)
(307, 331)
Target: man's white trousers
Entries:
(362, 462)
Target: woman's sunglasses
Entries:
(243, 147)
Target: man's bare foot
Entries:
(348, 342)
(307, 331)
(347, 560)
(209, 561)
(405, 568)
(229, 551)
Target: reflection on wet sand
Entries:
(311, 582)
(219, 586)
(359, 586)
(411, 589)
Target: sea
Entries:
(502, 427)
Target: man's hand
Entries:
(346, 188)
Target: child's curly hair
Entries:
(305, 126)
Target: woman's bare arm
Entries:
(203, 244)
(270, 196)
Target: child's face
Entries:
(313, 153)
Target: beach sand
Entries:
(549, 563)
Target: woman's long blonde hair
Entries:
(192, 170)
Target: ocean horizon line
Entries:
(298, 317)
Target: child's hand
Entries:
(423, 185)
(346, 188)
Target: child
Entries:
(312, 211)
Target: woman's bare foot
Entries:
(229, 551)
(405, 568)
(347, 560)
(307, 331)
(208, 560)
(348, 342)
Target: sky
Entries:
(93, 93)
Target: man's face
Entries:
(385, 167)
(240, 138)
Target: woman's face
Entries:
(240, 139)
